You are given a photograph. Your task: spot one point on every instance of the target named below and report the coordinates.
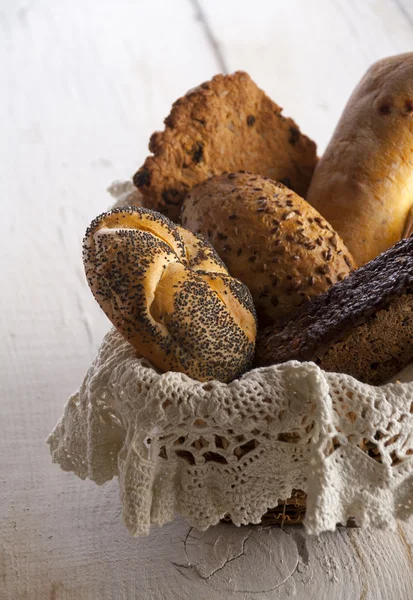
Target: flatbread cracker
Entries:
(226, 124)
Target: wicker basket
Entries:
(289, 512)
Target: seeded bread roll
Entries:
(226, 124)
(269, 238)
(363, 184)
(362, 326)
(169, 294)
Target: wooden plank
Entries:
(81, 104)
(308, 57)
(406, 9)
(74, 546)
(86, 83)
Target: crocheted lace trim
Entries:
(205, 450)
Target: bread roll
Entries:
(363, 184)
(362, 326)
(269, 238)
(225, 124)
(169, 294)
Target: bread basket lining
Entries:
(210, 451)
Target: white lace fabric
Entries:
(206, 450)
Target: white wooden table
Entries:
(83, 85)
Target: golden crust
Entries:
(200, 255)
(269, 238)
(152, 288)
(226, 124)
(363, 184)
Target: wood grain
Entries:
(84, 85)
(309, 56)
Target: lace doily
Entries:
(205, 450)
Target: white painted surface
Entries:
(308, 55)
(84, 83)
